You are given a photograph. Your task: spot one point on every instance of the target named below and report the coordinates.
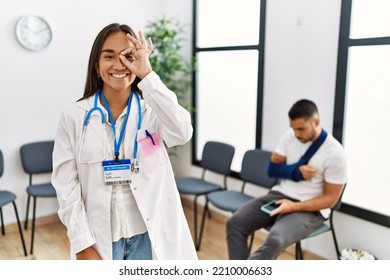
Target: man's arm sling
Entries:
(291, 171)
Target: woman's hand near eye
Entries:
(129, 57)
(136, 57)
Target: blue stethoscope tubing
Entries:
(97, 108)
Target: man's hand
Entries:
(285, 206)
(307, 171)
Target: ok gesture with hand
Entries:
(136, 57)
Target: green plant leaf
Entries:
(167, 35)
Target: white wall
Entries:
(301, 54)
(300, 61)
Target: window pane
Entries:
(228, 23)
(226, 100)
(370, 19)
(367, 129)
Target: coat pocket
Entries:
(152, 151)
(149, 144)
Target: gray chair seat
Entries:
(6, 197)
(228, 200)
(195, 186)
(322, 229)
(42, 190)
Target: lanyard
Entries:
(118, 143)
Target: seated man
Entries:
(312, 167)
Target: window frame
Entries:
(260, 48)
(345, 42)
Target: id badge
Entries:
(116, 172)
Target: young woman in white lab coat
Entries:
(114, 181)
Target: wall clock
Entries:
(33, 32)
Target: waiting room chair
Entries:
(216, 157)
(37, 159)
(326, 226)
(7, 197)
(254, 171)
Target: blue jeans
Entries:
(137, 247)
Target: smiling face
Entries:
(116, 77)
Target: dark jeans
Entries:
(286, 230)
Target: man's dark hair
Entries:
(303, 108)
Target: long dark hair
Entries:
(93, 82)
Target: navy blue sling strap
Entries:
(291, 171)
(314, 147)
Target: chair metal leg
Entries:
(2, 222)
(20, 229)
(251, 242)
(205, 210)
(196, 220)
(33, 224)
(28, 207)
(198, 233)
(334, 239)
(298, 251)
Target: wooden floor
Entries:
(51, 242)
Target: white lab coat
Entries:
(84, 199)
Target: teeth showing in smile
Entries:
(119, 76)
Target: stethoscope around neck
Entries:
(117, 143)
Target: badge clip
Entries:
(135, 166)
